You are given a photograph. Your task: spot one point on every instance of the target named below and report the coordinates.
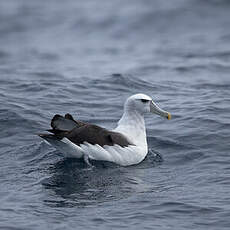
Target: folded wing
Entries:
(79, 132)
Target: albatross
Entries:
(125, 145)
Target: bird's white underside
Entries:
(120, 155)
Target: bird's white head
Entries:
(142, 104)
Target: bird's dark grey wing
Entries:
(67, 123)
(79, 132)
(94, 134)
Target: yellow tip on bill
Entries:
(169, 116)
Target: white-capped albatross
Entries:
(125, 145)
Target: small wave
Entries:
(180, 207)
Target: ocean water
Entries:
(85, 58)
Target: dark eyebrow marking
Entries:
(144, 100)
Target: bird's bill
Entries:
(155, 109)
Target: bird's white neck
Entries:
(132, 125)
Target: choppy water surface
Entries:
(86, 58)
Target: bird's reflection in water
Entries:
(72, 183)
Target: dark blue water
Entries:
(86, 58)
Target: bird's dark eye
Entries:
(144, 100)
